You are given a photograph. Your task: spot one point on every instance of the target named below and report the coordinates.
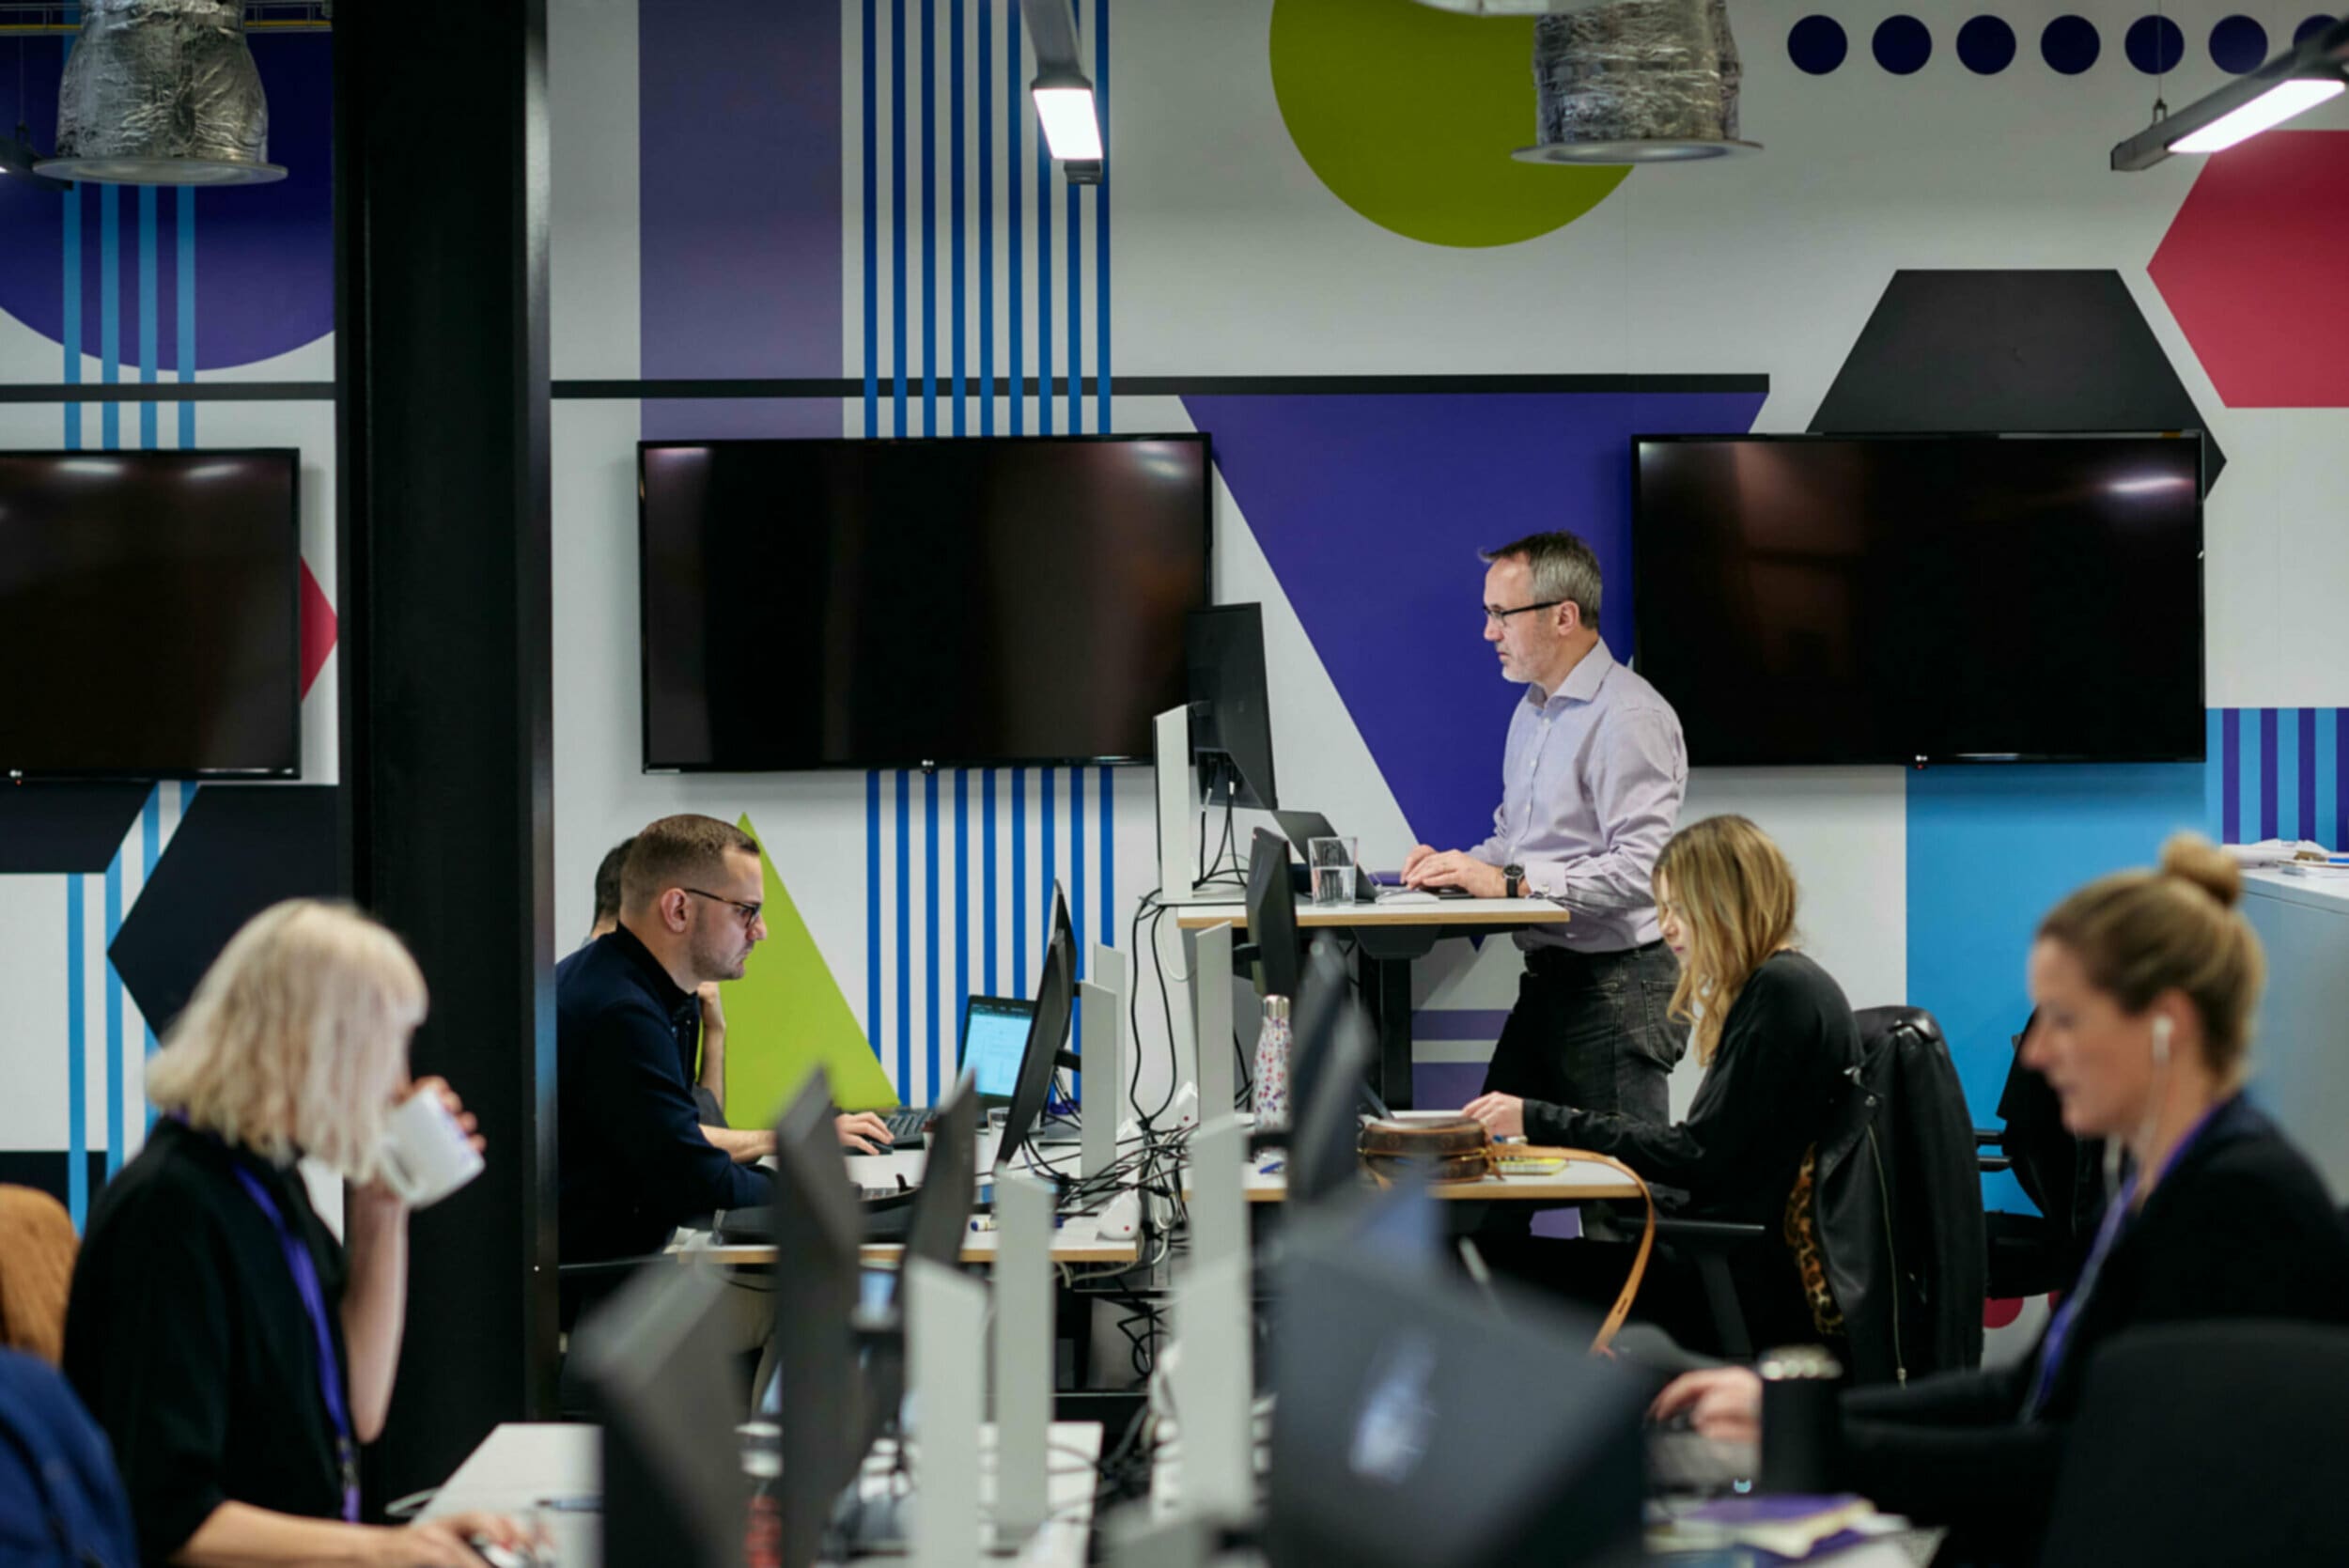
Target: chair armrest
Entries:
(1990, 1137)
(1995, 1162)
(1724, 1232)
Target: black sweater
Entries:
(2241, 1227)
(1767, 1097)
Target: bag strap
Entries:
(1622, 1308)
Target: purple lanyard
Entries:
(306, 1277)
(2107, 1235)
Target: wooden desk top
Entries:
(1078, 1241)
(1441, 911)
(1578, 1181)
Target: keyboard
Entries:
(908, 1120)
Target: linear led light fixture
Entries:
(2291, 83)
(1065, 104)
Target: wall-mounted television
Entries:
(1923, 599)
(149, 614)
(977, 600)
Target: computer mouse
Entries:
(496, 1556)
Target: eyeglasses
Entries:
(748, 911)
(1496, 615)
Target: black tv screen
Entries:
(901, 603)
(1922, 599)
(150, 614)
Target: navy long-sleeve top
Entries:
(633, 1161)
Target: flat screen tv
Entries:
(1923, 599)
(149, 614)
(980, 601)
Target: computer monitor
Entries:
(1055, 994)
(816, 1285)
(1417, 1428)
(994, 1035)
(1231, 717)
(670, 1395)
(1334, 1053)
(1273, 916)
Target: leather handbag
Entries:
(1454, 1149)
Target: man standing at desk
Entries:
(635, 1161)
(1592, 778)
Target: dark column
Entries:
(440, 229)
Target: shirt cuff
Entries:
(1543, 881)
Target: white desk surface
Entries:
(1437, 911)
(2316, 892)
(1077, 1241)
(1579, 1179)
(523, 1461)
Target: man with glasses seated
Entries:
(636, 1162)
(1592, 779)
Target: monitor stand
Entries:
(1182, 855)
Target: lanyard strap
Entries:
(306, 1277)
(2051, 1350)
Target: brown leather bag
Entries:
(1456, 1149)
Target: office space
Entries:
(1233, 257)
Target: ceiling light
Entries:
(2293, 81)
(1635, 82)
(162, 95)
(18, 158)
(1064, 105)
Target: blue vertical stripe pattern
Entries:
(962, 896)
(872, 912)
(954, 70)
(929, 905)
(2278, 773)
(872, 277)
(183, 259)
(150, 361)
(2247, 825)
(929, 218)
(1076, 312)
(77, 1057)
(905, 928)
(1019, 881)
(897, 208)
(114, 1018)
(1043, 285)
(110, 308)
(2286, 774)
(2327, 782)
(71, 202)
(986, 244)
(1015, 215)
(986, 878)
(150, 850)
(1052, 843)
(1101, 251)
(1108, 856)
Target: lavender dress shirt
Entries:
(1592, 780)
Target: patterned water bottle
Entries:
(1272, 1066)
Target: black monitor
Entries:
(1328, 1081)
(1231, 717)
(1388, 1382)
(151, 614)
(815, 1284)
(670, 1394)
(1055, 994)
(1273, 916)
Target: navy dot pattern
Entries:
(2071, 45)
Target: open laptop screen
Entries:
(994, 1034)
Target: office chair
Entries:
(2207, 1442)
(37, 1250)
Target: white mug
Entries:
(426, 1155)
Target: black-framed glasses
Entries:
(748, 911)
(1496, 615)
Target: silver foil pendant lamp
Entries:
(1635, 82)
(163, 92)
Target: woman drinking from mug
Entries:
(2145, 983)
(235, 1352)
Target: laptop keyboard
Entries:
(908, 1120)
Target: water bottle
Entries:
(1272, 1066)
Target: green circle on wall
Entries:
(1409, 115)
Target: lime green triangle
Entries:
(786, 1018)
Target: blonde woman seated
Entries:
(2145, 984)
(1775, 1038)
(233, 1351)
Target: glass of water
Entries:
(1332, 862)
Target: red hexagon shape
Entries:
(2253, 267)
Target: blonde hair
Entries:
(2142, 932)
(1735, 895)
(296, 1038)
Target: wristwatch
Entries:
(1515, 876)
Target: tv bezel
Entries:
(292, 457)
(920, 765)
(1643, 578)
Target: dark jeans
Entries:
(1589, 1032)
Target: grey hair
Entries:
(1564, 567)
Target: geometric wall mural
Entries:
(1371, 508)
(1991, 351)
(2254, 267)
(51, 827)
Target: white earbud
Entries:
(2161, 1040)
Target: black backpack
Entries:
(61, 1504)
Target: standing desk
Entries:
(1388, 937)
(522, 1463)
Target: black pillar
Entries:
(442, 531)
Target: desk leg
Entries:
(1386, 989)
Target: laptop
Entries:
(1303, 827)
(994, 1034)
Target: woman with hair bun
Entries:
(2145, 983)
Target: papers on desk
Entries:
(1789, 1528)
